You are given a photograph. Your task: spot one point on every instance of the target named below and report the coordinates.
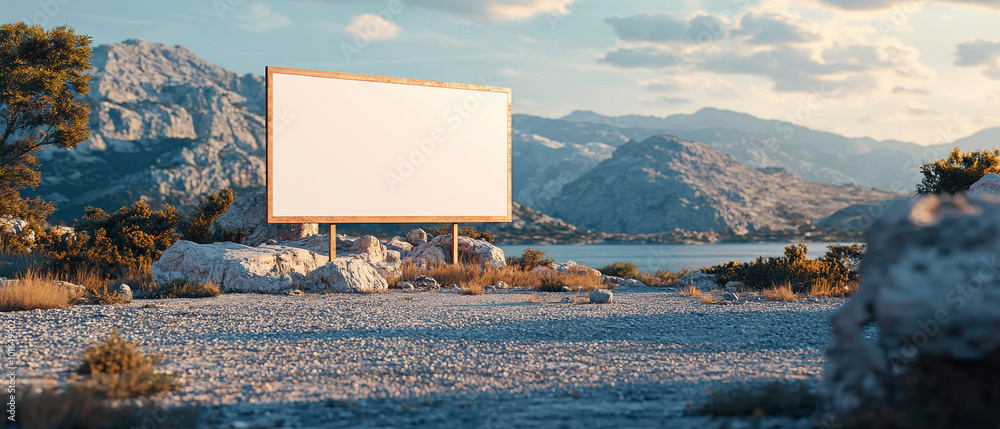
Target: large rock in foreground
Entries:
(236, 267)
(346, 275)
(930, 283)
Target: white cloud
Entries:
(869, 5)
(488, 10)
(374, 27)
(794, 54)
(980, 53)
(260, 17)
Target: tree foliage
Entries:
(41, 74)
(198, 228)
(114, 244)
(958, 171)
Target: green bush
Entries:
(530, 259)
(835, 269)
(113, 245)
(958, 171)
(463, 231)
(198, 227)
(625, 270)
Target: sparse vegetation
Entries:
(530, 259)
(775, 398)
(35, 292)
(691, 291)
(470, 276)
(781, 293)
(625, 270)
(463, 231)
(119, 370)
(115, 244)
(834, 271)
(197, 227)
(958, 171)
(180, 288)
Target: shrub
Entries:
(180, 288)
(470, 276)
(463, 231)
(795, 269)
(119, 370)
(112, 245)
(198, 227)
(35, 292)
(530, 259)
(781, 293)
(692, 291)
(625, 270)
(958, 171)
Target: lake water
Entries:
(652, 257)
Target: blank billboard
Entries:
(346, 148)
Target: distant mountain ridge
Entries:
(664, 182)
(170, 127)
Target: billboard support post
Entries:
(454, 244)
(333, 241)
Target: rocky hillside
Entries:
(166, 125)
(665, 183)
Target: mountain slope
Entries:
(166, 126)
(665, 183)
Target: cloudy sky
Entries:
(908, 70)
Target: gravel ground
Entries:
(444, 360)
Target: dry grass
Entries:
(824, 289)
(710, 299)
(473, 289)
(35, 291)
(179, 288)
(781, 293)
(470, 276)
(692, 291)
(119, 370)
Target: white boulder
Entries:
(345, 275)
(416, 237)
(427, 253)
(929, 283)
(987, 187)
(372, 250)
(248, 214)
(236, 267)
(601, 296)
(479, 252)
(699, 280)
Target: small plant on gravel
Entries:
(536, 298)
(180, 288)
(35, 292)
(119, 370)
(774, 398)
(710, 299)
(781, 293)
(692, 291)
(473, 289)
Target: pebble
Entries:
(438, 359)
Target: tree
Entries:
(958, 171)
(41, 74)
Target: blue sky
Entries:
(911, 70)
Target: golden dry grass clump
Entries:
(119, 370)
(472, 278)
(36, 292)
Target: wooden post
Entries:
(454, 244)
(333, 241)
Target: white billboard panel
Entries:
(345, 148)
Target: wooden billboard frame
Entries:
(333, 220)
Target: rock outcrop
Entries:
(478, 252)
(236, 267)
(930, 284)
(345, 275)
(247, 215)
(664, 183)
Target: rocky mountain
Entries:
(665, 183)
(166, 126)
(170, 127)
